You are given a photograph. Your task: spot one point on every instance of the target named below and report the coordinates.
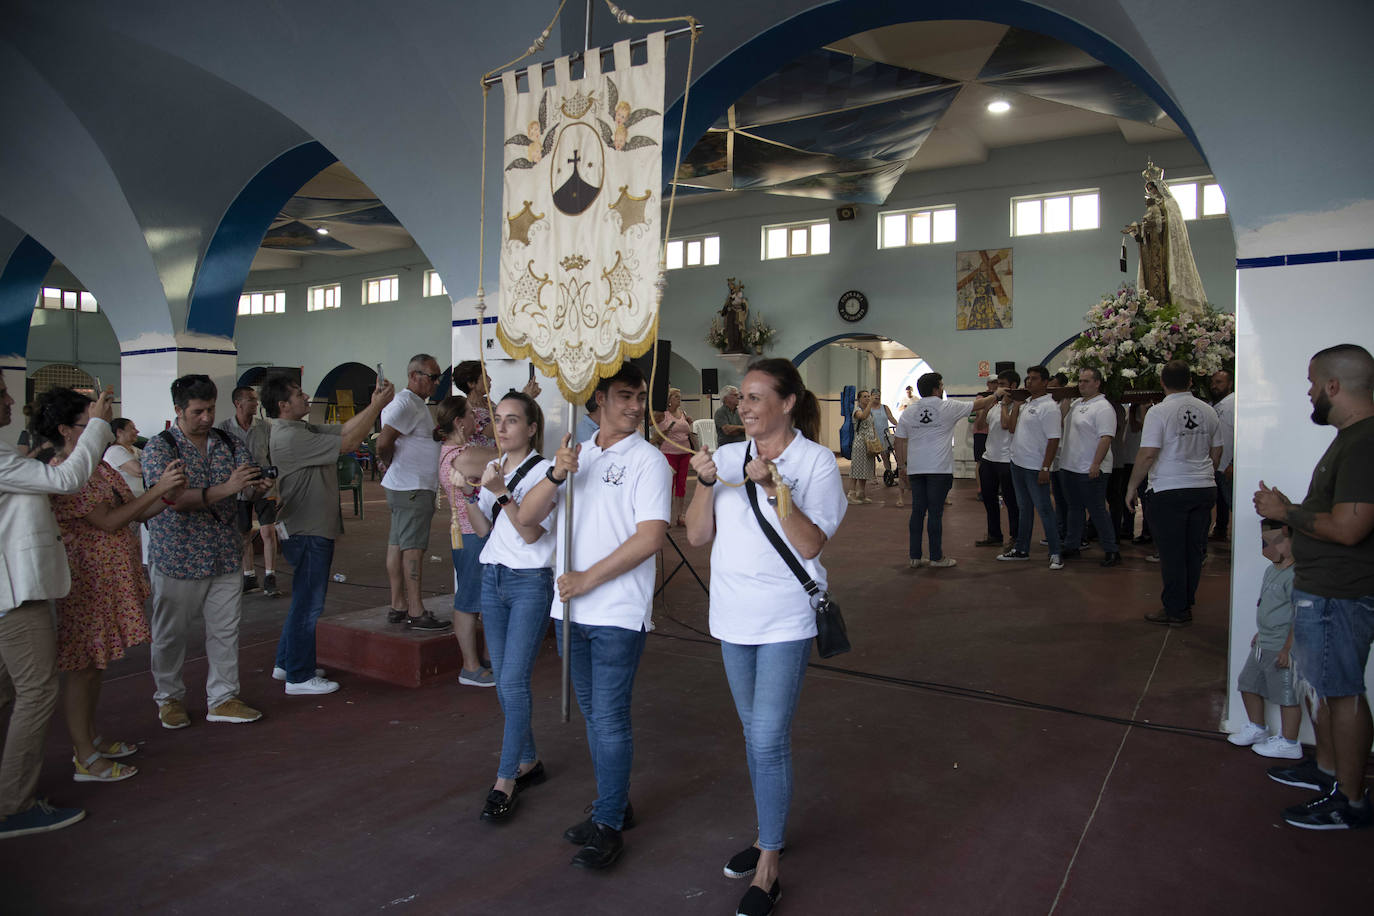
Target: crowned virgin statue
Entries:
(1167, 271)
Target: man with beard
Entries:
(1333, 592)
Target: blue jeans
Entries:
(603, 662)
(1089, 494)
(1331, 640)
(515, 617)
(766, 682)
(1030, 492)
(928, 492)
(310, 557)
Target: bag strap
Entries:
(520, 473)
(774, 538)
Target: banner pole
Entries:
(567, 565)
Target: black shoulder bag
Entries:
(831, 638)
(520, 473)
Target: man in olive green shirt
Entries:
(306, 456)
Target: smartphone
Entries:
(381, 376)
(531, 372)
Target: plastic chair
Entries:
(351, 478)
(706, 433)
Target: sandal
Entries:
(116, 749)
(117, 772)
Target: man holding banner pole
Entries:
(622, 491)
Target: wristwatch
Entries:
(1044, 469)
(503, 499)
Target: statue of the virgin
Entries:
(1167, 270)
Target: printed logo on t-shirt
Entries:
(1189, 419)
(926, 416)
(615, 475)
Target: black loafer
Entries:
(499, 806)
(395, 616)
(533, 777)
(1112, 559)
(580, 834)
(743, 863)
(601, 849)
(1169, 620)
(427, 621)
(759, 902)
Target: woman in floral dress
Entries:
(102, 615)
(860, 461)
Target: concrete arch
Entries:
(213, 307)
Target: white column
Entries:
(1284, 313)
(149, 364)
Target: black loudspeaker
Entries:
(710, 381)
(1003, 365)
(658, 394)
(846, 213)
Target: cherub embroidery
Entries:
(618, 137)
(537, 139)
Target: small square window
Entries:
(796, 240)
(1062, 212)
(319, 298)
(1198, 197)
(700, 251)
(433, 285)
(381, 289)
(1213, 200)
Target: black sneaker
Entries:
(743, 863)
(499, 806)
(759, 902)
(1164, 618)
(578, 834)
(395, 616)
(1331, 811)
(1014, 554)
(250, 583)
(269, 586)
(427, 621)
(1304, 775)
(602, 848)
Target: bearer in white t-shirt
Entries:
(1086, 463)
(620, 514)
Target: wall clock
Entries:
(853, 305)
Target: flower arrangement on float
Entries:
(757, 336)
(1131, 336)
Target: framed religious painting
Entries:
(982, 291)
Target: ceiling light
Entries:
(321, 230)
(1000, 106)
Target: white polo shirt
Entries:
(998, 447)
(505, 545)
(1088, 421)
(616, 489)
(1036, 425)
(1226, 414)
(415, 462)
(1184, 429)
(755, 598)
(928, 428)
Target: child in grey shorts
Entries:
(1268, 674)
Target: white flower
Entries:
(1128, 373)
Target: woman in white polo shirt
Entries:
(517, 587)
(759, 611)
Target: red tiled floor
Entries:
(922, 791)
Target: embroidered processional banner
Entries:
(580, 239)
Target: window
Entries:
(928, 226)
(1198, 197)
(703, 251)
(1064, 211)
(269, 303)
(71, 300)
(795, 240)
(433, 285)
(322, 297)
(381, 289)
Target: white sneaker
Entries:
(1056, 562)
(312, 687)
(279, 674)
(944, 563)
(1250, 734)
(1278, 746)
(918, 563)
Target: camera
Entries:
(269, 472)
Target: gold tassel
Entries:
(784, 493)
